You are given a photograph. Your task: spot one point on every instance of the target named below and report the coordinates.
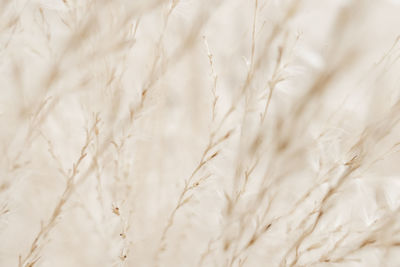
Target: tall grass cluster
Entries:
(168, 133)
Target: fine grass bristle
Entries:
(170, 133)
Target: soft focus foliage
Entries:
(199, 133)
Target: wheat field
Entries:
(169, 133)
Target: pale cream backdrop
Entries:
(199, 133)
